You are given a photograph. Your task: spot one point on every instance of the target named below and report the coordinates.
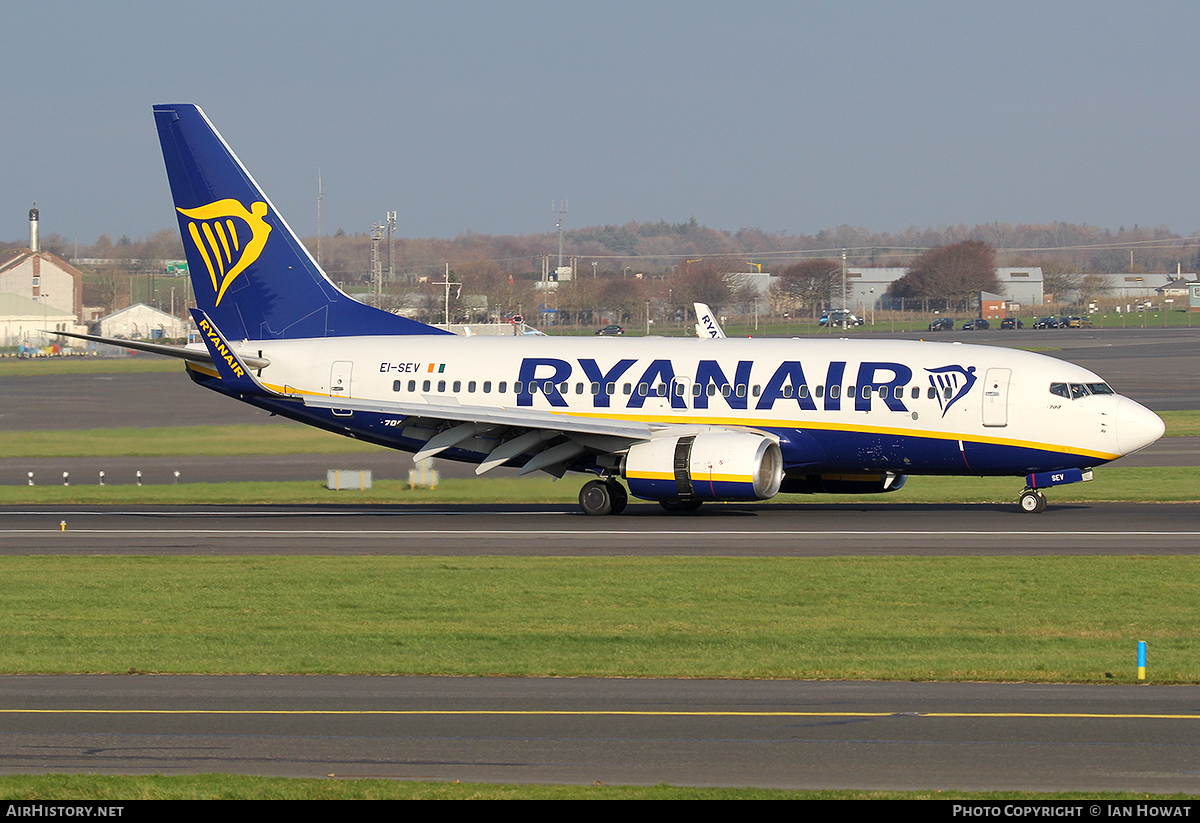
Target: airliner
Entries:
(681, 421)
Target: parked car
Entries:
(1075, 322)
(839, 318)
(942, 324)
(975, 325)
(1046, 323)
(1011, 323)
(611, 329)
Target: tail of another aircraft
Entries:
(250, 272)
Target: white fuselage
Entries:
(896, 405)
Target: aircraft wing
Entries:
(553, 439)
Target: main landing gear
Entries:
(599, 497)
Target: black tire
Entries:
(1032, 502)
(620, 497)
(595, 498)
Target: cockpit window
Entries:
(1060, 389)
(1078, 390)
(1100, 388)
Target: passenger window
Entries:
(643, 389)
(661, 389)
(412, 385)
(866, 392)
(503, 387)
(457, 386)
(471, 387)
(611, 389)
(835, 392)
(930, 393)
(487, 386)
(596, 388)
(947, 392)
(803, 390)
(820, 392)
(741, 390)
(395, 385)
(697, 389)
(627, 388)
(425, 386)
(712, 389)
(916, 393)
(725, 390)
(757, 391)
(441, 385)
(579, 388)
(517, 386)
(787, 391)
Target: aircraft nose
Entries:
(1137, 426)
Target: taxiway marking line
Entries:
(526, 533)
(598, 713)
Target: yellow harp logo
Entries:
(227, 252)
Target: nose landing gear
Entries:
(1032, 501)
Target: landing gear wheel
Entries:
(1032, 502)
(620, 497)
(596, 498)
(679, 506)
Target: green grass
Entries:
(1046, 619)
(1181, 423)
(1176, 484)
(18, 367)
(241, 787)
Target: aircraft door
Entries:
(995, 397)
(339, 383)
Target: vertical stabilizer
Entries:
(250, 272)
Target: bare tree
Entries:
(811, 283)
(950, 275)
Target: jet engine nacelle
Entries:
(726, 465)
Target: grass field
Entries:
(1046, 619)
(240, 787)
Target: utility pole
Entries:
(320, 195)
(560, 212)
(391, 231)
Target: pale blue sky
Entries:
(474, 116)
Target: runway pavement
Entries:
(645, 530)
(775, 734)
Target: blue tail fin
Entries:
(250, 272)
